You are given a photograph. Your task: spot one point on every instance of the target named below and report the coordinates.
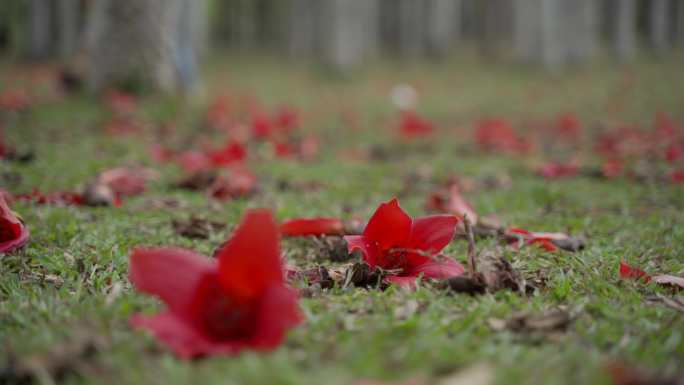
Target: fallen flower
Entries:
(414, 126)
(13, 233)
(558, 170)
(302, 227)
(223, 306)
(235, 183)
(548, 241)
(450, 200)
(408, 247)
(677, 177)
(125, 181)
(233, 151)
(194, 161)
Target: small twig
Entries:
(472, 253)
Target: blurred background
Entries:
(164, 43)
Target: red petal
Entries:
(175, 333)
(432, 233)
(390, 226)
(629, 272)
(312, 226)
(250, 261)
(13, 233)
(371, 254)
(278, 312)
(169, 273)
(545, 244)
(444, 269)
(403, 281)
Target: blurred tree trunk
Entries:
(496, 26)
(410, 27)
(142, 44)
(623, 32)
(345, 45)
(555, 33)
(659, 25)
(679, 23)
(582, 29)
(442, 24)
(303, 29)
(69, 27)
(39, 28)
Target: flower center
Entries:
(9, 231)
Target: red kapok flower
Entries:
(219, 307)
(234, 183)
(568, 126)
(558, 170)
(13, 233)
(413, 125)
(630, 272)
(233, 151)
(303, 227)
(394, 241)
(677, 177)
(262, 126)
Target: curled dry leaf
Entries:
(195, 227)
(318, 275)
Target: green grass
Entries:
(351, 334)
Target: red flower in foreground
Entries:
(13, 233)
(394, 241)
(239, 301)
(302, 227)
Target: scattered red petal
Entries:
(629, 272)
(13, 233)
(559, 170)
(234, 183)
(414, 126)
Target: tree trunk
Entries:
(659, 25)
(411, 27)
(137, 44)
(345, 41)
(679, 23)
(69, 27)
(624, 29)
(39, 28)
(303, 29)
(582, 31)
(442, 22)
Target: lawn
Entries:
(69, 287)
